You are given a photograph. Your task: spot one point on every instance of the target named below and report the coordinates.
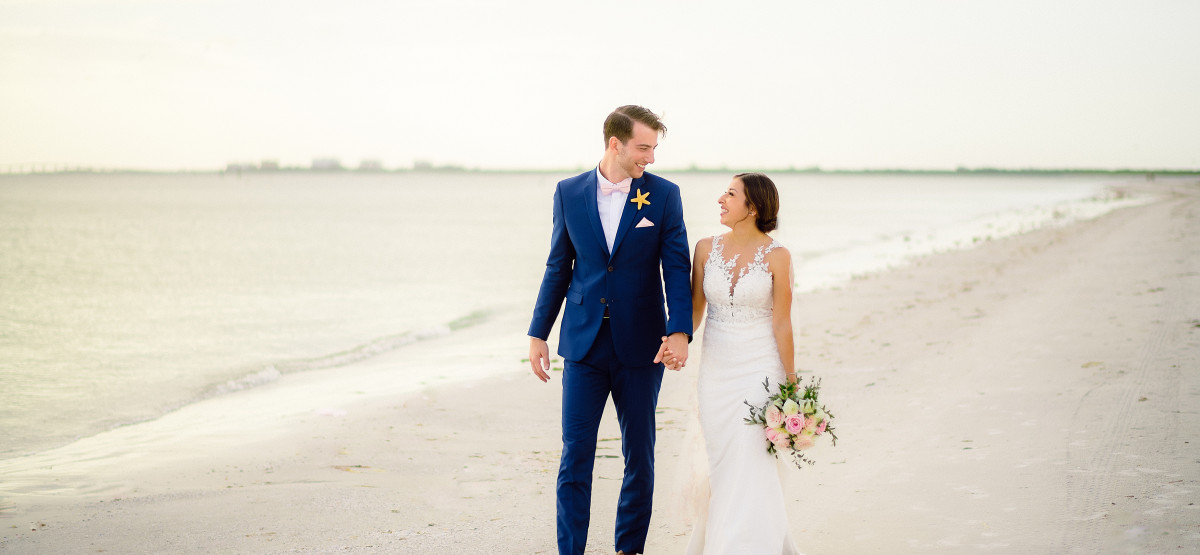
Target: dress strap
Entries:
(716, 245)
(764, 250)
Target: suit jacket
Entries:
(627, 281)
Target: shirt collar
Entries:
(601, 179)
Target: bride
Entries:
(744, 277)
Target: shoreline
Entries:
(266, 373)
(950, 346)
(814, 273)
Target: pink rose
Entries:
(782, 441)
(810, 424)
(777, 437)
(794, 423)
(774, 416)
(821, 426)
(804, 441)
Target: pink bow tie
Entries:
(623, 187)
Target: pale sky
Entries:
(195, 84)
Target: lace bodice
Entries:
(744, 299)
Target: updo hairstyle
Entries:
(763, 198)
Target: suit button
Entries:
(603, 301)
(610, 268)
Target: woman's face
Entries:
(734, 207)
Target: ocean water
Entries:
(124, 296)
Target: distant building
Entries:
(269, 165)
(239, 167)
(326, 164)
(370, 165)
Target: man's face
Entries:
(638, 151)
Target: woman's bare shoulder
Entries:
(779, 255)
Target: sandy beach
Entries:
(1035, 394)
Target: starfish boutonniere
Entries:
(641, 199)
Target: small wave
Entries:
(265, 376)
(367, 350)
(272, 372)
(829, 269)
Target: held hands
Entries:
(674, 351)
(539, 358)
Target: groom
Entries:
(613, 228)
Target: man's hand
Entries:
(539, 358)
(674, 351)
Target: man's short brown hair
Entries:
(619, 123)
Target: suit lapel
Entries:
(628, 213)
(588, 189)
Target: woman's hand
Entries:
(669, 357)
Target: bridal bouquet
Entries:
(792, 419)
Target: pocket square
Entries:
(645, 223)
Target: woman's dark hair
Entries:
(763, 197)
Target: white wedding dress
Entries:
(746, 512)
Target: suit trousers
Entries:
(587, 384)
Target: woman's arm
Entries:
(698, 301)
(703, 247)
(780, 264)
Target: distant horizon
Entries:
(40, 169)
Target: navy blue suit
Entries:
(612, 355)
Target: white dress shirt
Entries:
(610, 207)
